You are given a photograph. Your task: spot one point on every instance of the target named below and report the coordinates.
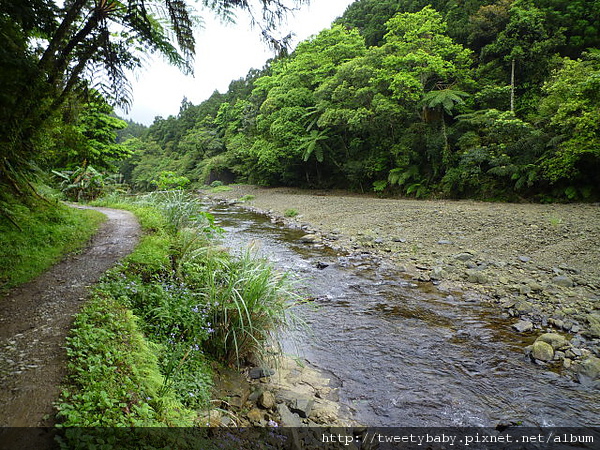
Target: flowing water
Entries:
(408, 355)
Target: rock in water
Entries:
(310, 239)
(542, 351)
(555, 340)
(589, 369)
(523, 325)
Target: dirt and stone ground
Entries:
(540, 263)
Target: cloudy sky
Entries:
(225, 52)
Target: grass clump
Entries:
(290, 212)
(38, 235)
(247, 198)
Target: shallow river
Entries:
(407, 355)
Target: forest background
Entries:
(482, 99)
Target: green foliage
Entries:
(44, 234)
(416, 96)
(571, 107)
(247, 198)
(170, 180)
(82, 184)
(290, 212)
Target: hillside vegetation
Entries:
(480, 99)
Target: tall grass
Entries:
(38, 236)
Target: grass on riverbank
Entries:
(142, 349)
(38, 235)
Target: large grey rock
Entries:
(594, 322)
(589, 369)
(563, 281)
(523, 325)
(302, 406)
(542, 351)
(288, 419)
(310, 239)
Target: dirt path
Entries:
(36, 317)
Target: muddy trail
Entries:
(35, 319)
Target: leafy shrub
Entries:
(290, 213)
(170, 180)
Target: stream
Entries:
(406, 354)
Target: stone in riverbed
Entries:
(556, 341)
(266, 400)
(563, 281)
(310, 239)
(463, 256)
(288, 419)
(523, 326)
(589, 370)
(302, 406)
(542, 351)
(437, 273)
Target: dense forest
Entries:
(447, 98)
(444, 98)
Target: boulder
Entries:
(288, 419)
(256, 416)
(589, 369)
(523, 326)
(563, 281)
(310, 239)
(266, 400)
(555, 340)
(542, 351)
(302, 406)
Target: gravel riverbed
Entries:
(539, 263)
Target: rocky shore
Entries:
(539, 263)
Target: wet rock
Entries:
(475, 276)
(437, 273)
(524, 259)
(542, 351)
(288, 419)
(266, 400)
(321, 265)
(523, 326)
(523, 307)
(302, 406)
(310, 239)
(260, 372)
(594, 323)
(563, 281)
(589, 370)
(555, 340)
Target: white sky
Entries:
(223, 53)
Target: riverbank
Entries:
(539, 263)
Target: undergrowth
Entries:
(142, 349)
(38, 234)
